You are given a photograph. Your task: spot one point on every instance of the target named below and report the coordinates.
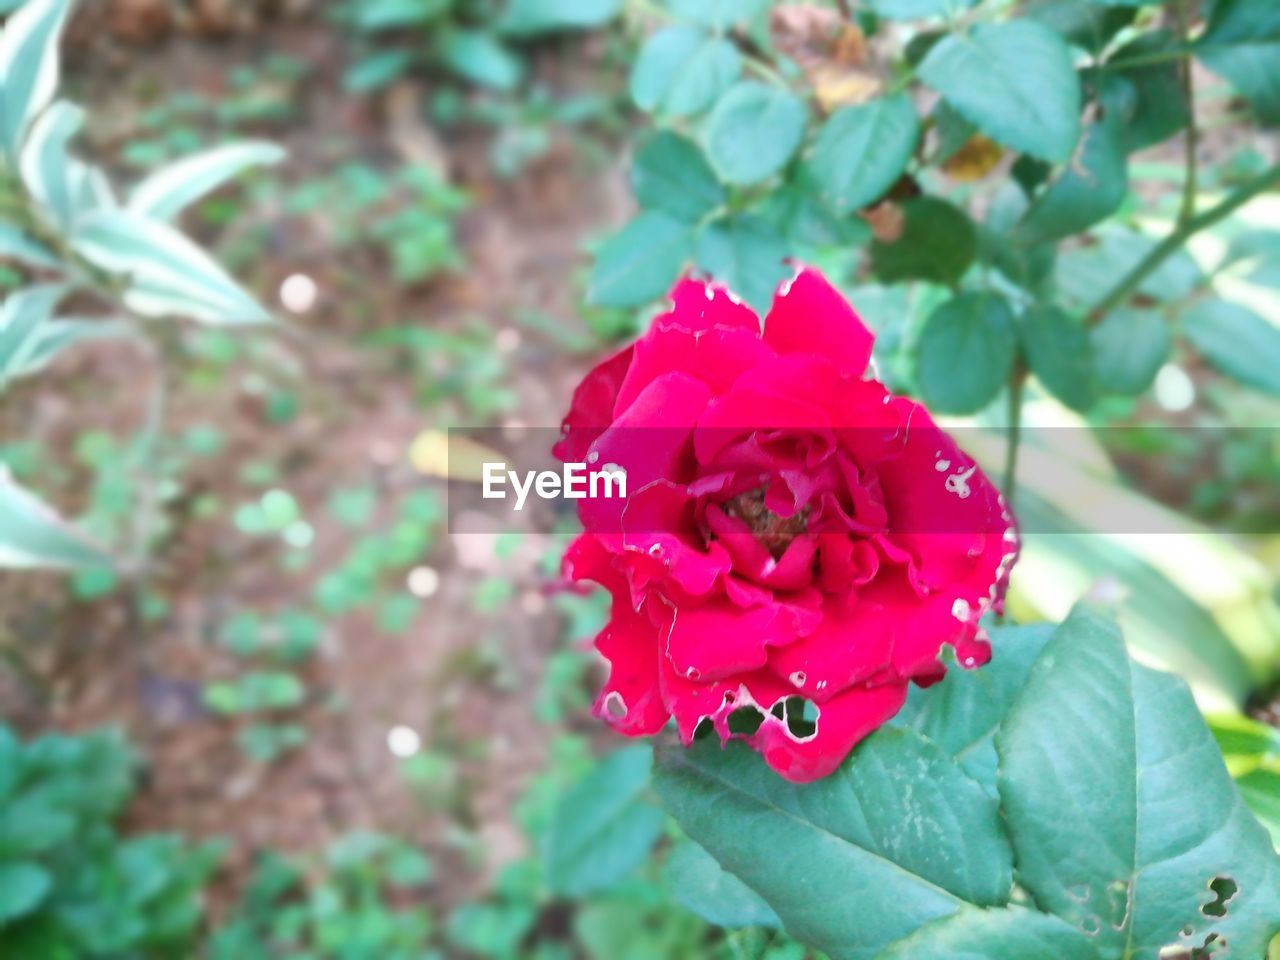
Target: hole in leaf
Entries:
(1224, 889)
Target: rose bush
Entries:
(797, 544)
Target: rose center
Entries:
(775, 533)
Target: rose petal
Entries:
(809, 315)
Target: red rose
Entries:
(792, 532)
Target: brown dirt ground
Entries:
(89, 664)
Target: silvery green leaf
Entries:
(54, 336)
(28, 66)
(20, 318)
(33, 535)
(166, 192)
(168, 274)
(47, 170)
(16, 245)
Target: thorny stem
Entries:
(1179, 236)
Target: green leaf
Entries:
(22, 316)
(32, 535)
(54, 336)
(1129, 348)
(482, 58)
(1084, 272)
(166, 192)
(22, 887)
(1010, 934)
(603, 827)
(718, 14)
(1242, 43)
(374, 15)
(1121, 812)
(1015, 81)
(937, 243)
(376, 71)
(531, 17)
(16, 245)
(965, 352)
(641, 261)
(917, 9)
(671, 175)
(747, 255)
(899, 830)
(1237, 341)
(1060, 354)
(1087, 25)
(51, 176)
(861, 151)
(1088, 189)
(1160, 108)
(700, 884)
(962, 712)
(681, 71)
(28, 66)
(168, 274)
(753, 132)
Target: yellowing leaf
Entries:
(439, 453)
(974, 160)
(836, 86)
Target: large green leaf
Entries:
(1015, 81)
(1088, 189)
(853, 863)
(168, 274)
(603, 827)
(28, 66)
(671, 175)
(937, 243)
(1242, 43)
(1129, 347)
(962, 713)
(532, 17)
(747, 255)
(700, 884)
(861, 151)
(641, 261)
(1123, 818)
(682, 70)
(1013, 933)
(22, 886)
(169, 190)
(1237, 341)
(1060, 354)
(718, 14)
(33, 535)
(965, 352)
(753, 131)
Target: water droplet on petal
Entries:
(798, 678)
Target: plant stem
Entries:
(1014, 432)
(1191, 137)
(1180, 235)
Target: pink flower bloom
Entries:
(792, 532)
